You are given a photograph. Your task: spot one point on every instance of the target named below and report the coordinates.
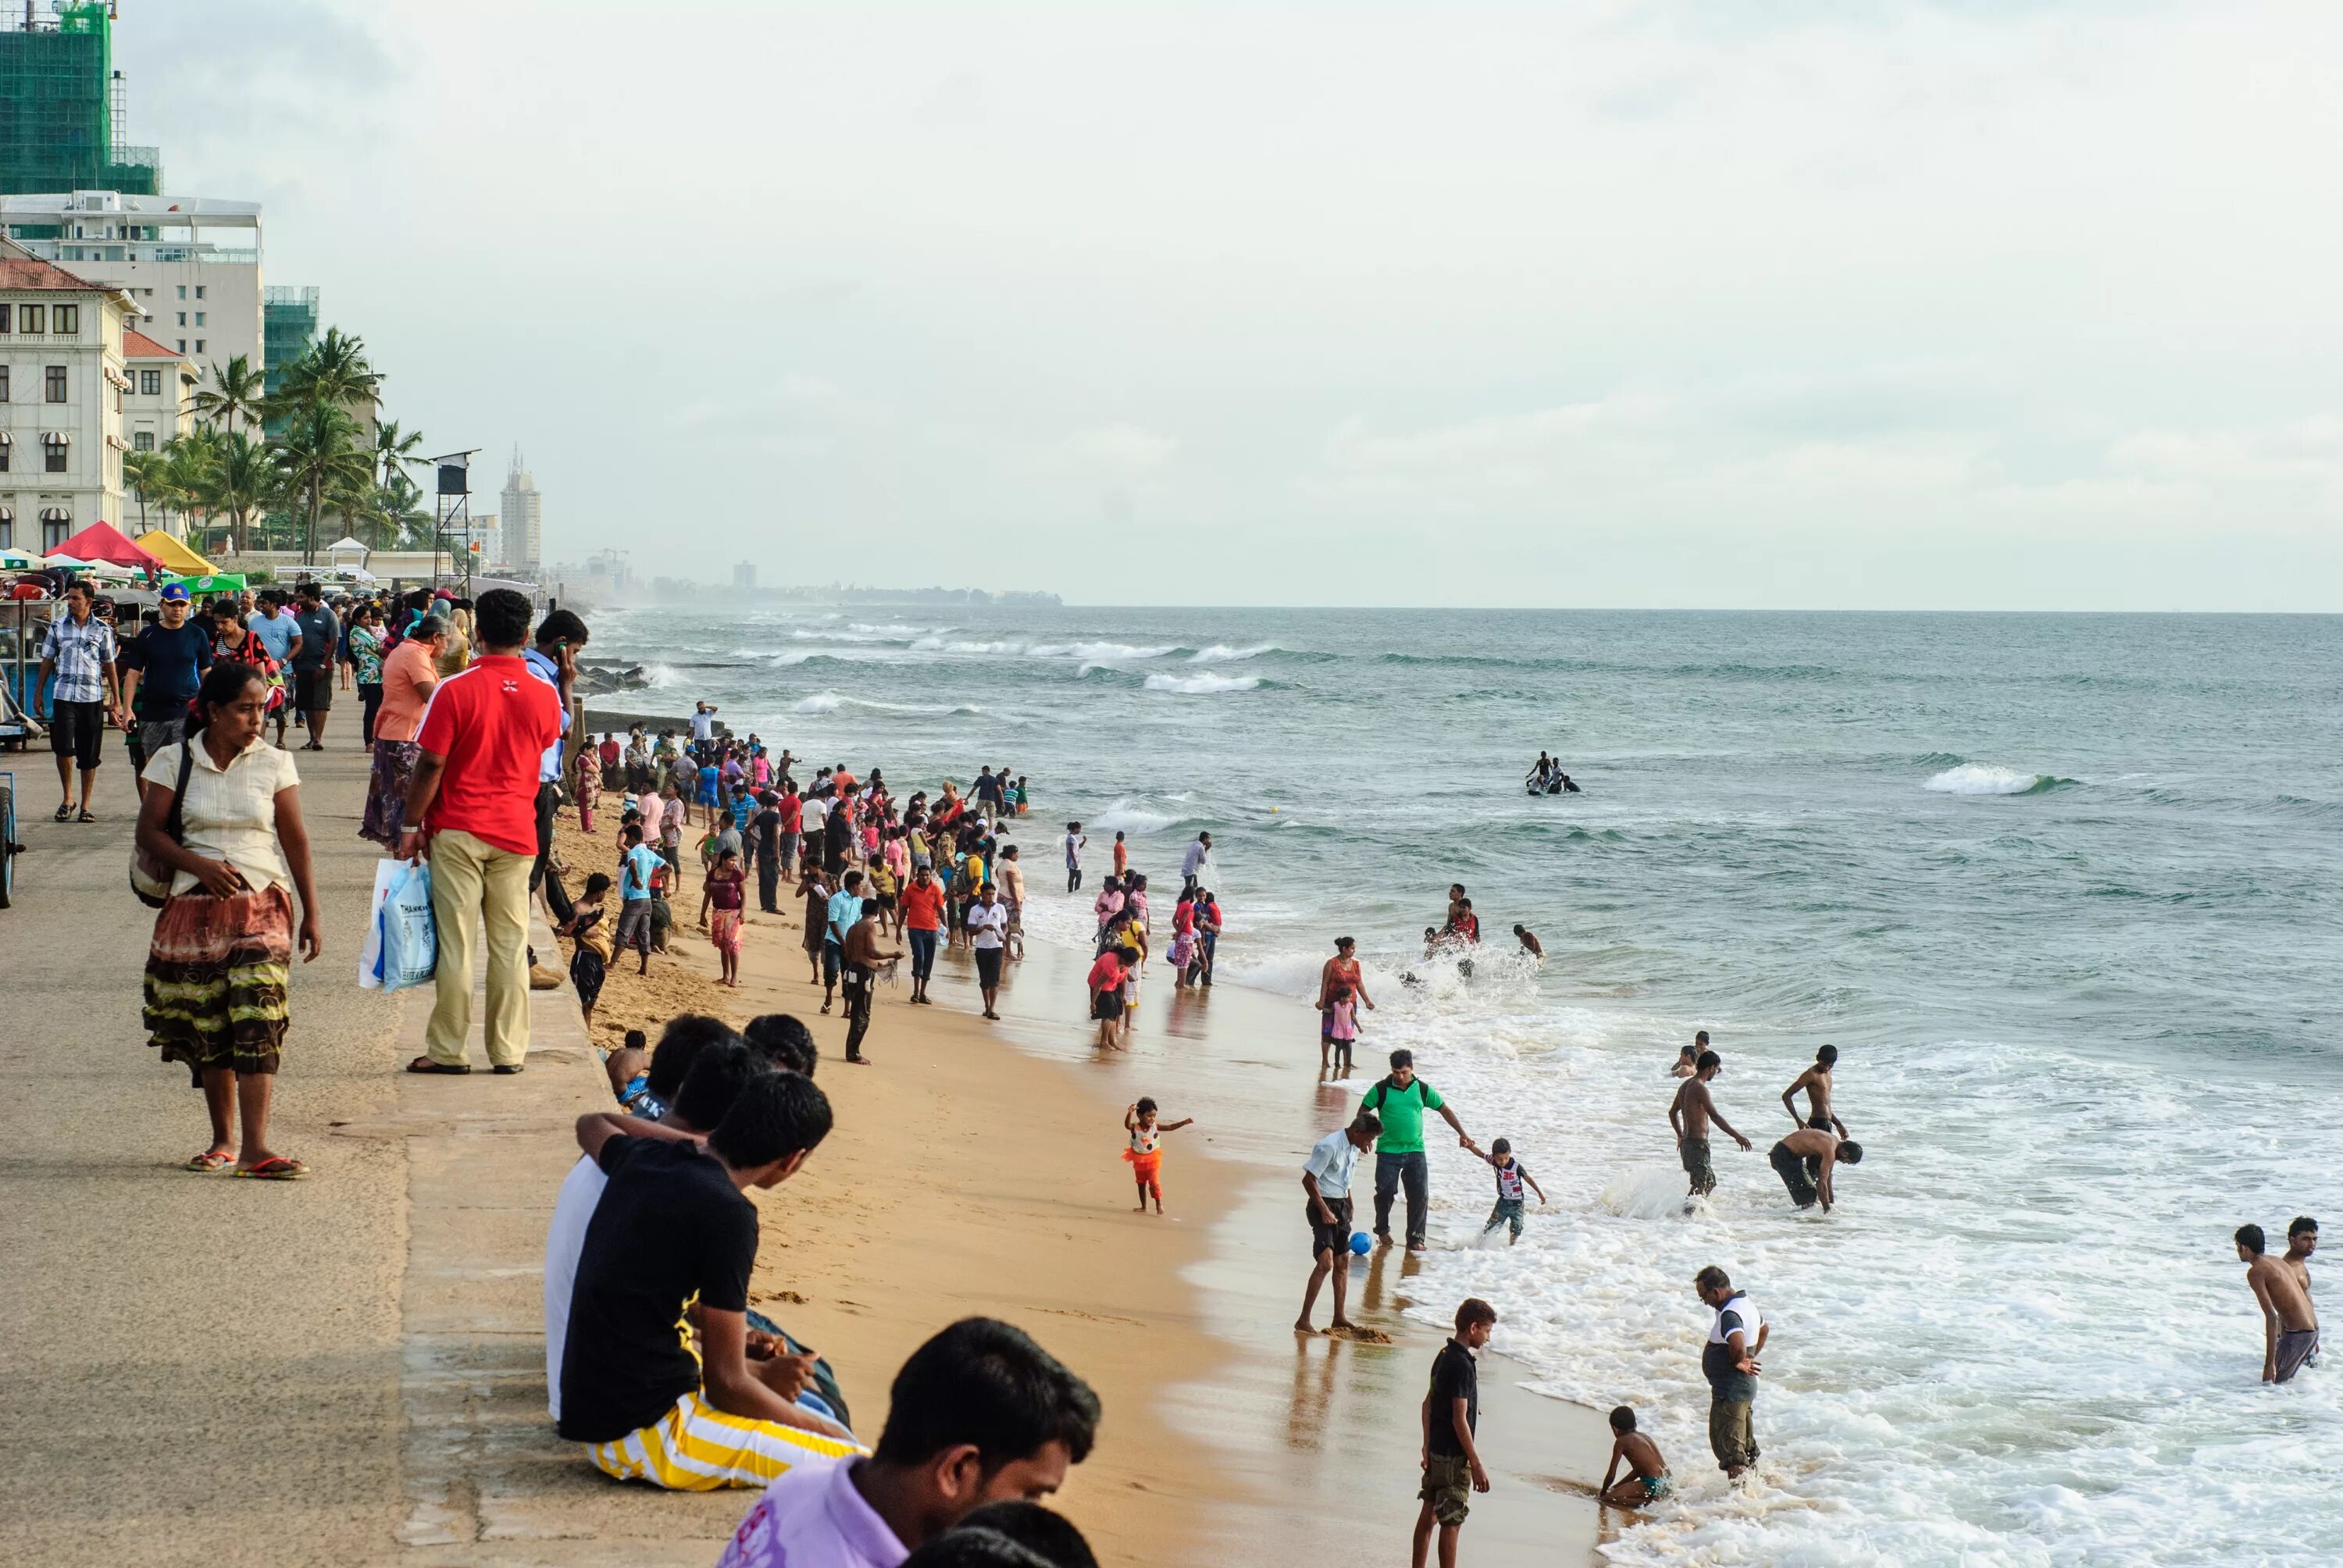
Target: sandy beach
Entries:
(975, 1169)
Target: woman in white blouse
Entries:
(223, 947)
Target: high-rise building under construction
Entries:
(61, 104)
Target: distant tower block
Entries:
(744, 575)
(520, 542)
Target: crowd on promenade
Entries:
(468, 713)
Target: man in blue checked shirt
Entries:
(80, 652)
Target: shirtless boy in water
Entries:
(1803, 1160)
(2282, 1286)
(1647, 1479)
(1816, 1084)
(1689, 1114)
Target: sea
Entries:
(2062, 889)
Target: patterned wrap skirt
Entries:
(215, 978)
(724, 930)
(386, 801)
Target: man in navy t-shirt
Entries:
(162, 668)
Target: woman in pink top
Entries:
(1108, 904)
(409, 674)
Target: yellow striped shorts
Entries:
(695, 1447)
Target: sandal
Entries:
(425, 1064)
(507, 1068)
(85, 815)
(208, 1160)
(64, 812)
(275, 1168)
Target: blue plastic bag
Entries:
(410, 940)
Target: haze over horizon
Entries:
(2025, 305)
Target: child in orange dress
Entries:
(1145, 1151)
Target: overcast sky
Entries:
(1775, 303)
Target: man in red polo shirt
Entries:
(472, 810)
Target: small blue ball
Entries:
(1358, 1242)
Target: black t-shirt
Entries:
(669, 1224)
(1454, 1375)
(988, 789)
(170, 666)
(766, 825)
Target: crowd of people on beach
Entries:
(468, 713)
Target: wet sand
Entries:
(967, 1178)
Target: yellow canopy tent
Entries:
(175, 554)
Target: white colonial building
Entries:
(62, 389)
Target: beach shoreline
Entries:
(1002, 1193)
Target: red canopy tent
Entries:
(104, 542)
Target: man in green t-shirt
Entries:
(1401, 1100)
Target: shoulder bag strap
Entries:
(175, 823)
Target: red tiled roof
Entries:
(137, 345)
(30, 272)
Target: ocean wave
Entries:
(658, 675)
(964, 646)
(1985, 779)
(1207, 685)
(1095, 653)
(833, 702)
(1222, 653)
(1124, 815)
(853, 634)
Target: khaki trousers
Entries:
(472, 881)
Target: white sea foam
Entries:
(1983, 779)
(658, 675)
(1124, 815)
(1097, 652)
(833, 702)
(858, 632)
(965, 646)
(1222, 653)
(1206, 685)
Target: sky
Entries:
(2010, 303)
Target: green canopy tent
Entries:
(217, 582)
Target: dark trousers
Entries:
(769, 884)
(370, 700)
(1211, 941)
(556, 897)
(1793, 1171)
(1074, 879)
(923, 953)
(858, 1010)
(1392, 1171)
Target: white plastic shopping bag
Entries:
(370, 956)
(410, 941)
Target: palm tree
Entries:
(146, 474)
(243, 478)
(318, 456)
(234, 397)
(401, 513)
(334, 372)
(394, 451)
(188, 461)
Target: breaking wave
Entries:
(1985, 778)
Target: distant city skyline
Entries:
(1662, 303)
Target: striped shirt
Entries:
(81, 652)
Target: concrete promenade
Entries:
(344, 1369)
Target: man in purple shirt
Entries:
(980, 1415)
